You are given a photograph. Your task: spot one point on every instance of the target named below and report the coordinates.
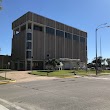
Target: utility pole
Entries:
(100, 48)
(101, 52)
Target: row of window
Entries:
(60, 33)
(51, 31)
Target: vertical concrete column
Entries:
(18, 62)
(44, 43)
(55, 39)
(32, 42)
(85, 49)
(72, 42)
(64, 41)
(79, 44)
(25, 45)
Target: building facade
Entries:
(37, 38)
(5, 62)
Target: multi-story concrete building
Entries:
(37, 38)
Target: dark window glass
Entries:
(23, 27)
(29, 36)
(29, 45)
(28, 54)
(38, 28)
(59, 33)
(86, 47)
(50, 30)
(75, 37)
(29, 25)
(82, 39)
(68, 35)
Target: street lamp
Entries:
(99, 27)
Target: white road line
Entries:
(11, 104)
(3, 108)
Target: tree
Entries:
(99, 61)
(0, 5)
(108, 61)
(52, 63)
(90, 65)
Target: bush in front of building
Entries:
(51, 64)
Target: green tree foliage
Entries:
(99, 61)
(108, 61)
(0, 4)
(52, 63)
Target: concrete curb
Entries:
(7, 81)
(73, 77)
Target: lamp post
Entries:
(99, 27)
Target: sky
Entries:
(85, 15)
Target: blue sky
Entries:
(83, 14)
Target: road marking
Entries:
(11, 104)
(3, 108)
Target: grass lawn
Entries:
(3, 78)
(57, 73)
(61, 73)
(67, 73)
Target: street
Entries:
(57, 94)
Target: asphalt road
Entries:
(57, 94)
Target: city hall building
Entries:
(37, 38)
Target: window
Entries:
(23, 27)
(29, 36)
(28, 54)
(59, 33)
(75, 37)
(68, 35)
(82, 39)
(38, 28)
(29, 25)
(29, 45)
(50, 30)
